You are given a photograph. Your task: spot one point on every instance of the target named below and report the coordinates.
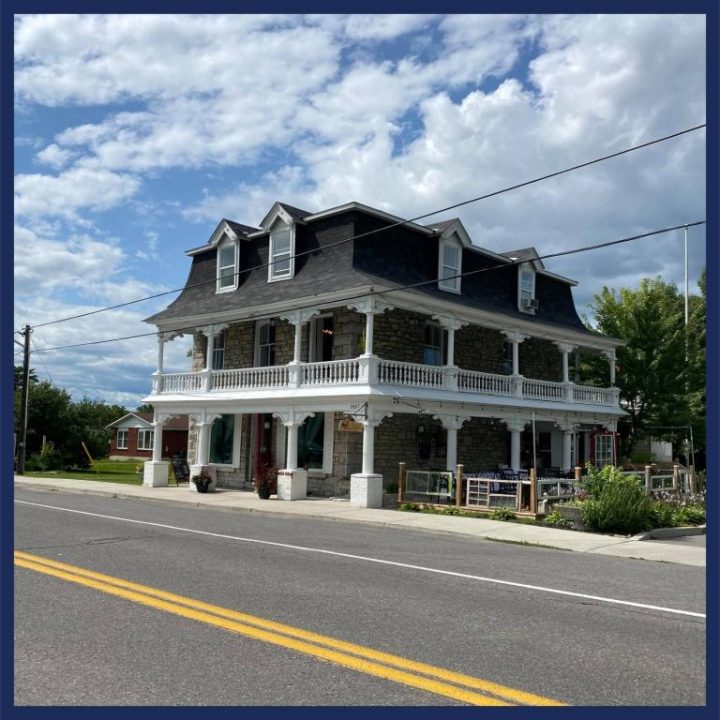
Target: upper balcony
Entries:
(374, 372)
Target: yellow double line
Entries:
(453, 685)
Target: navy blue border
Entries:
(7, 347)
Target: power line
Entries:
(386, 227)
(410, 286)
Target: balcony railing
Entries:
(377, 371)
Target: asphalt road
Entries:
(620, 636)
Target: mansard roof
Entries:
(356, 247)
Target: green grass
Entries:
(117, 471)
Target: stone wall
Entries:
(479, 348)
(348, 332)
(399, 335)
(541, 360)
(482, 445)
(240, 345)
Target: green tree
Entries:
(145, 407)
(18, 377)
(658, 386)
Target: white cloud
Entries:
(79, 188)
(54, 156)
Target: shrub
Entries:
(620, 506)
(452, 510)
(502, 513)
(410, 507)
(558, 520)
(596, 479)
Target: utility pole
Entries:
(27, 330)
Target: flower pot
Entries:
(202, 487)
(264, 493)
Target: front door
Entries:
(263, 438)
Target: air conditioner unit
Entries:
(529, 304)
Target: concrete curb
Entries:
(673, 532)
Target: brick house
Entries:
(133, 436)
(439, 351)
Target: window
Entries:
(311, 435)
(218, 356)
(434, 350)
(450, 265)
(226, 266)
(321, 340)
(222, 440)
(604, 446)
(265, 344)
(281, 252)
(526, 290)
(122, 438)
(145, 439)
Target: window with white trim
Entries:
(227, 259)
(526, 290)
(145, 439)
(281, 261)
(315, 444)
(435, 345)
(265, 348)
(218, 354)
(122, 439)
(604, 446)
(222, 440)
(450, 265)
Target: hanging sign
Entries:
(348, 425)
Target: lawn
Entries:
(117, 471)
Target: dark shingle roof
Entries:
(239, 228)
(524, 254)
(295, 212)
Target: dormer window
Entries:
(526, 290)
(450, 266)
(282, 262)
(227, 260)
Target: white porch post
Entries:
(203, 425)
(450, 324)
(162, 337)
(292, 481)
(516, 338)
(451, 423)
(210, 331)
(566, 349)
(370, 306)
(568, 430)
(366, 487)
(610, 355)
(298, 318)
(515, 426)
(155, 471)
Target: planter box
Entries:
(574, 514)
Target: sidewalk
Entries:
(341, 510)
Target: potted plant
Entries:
(202, 481)
(265, 481)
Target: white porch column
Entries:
(450, 324)
(371, 306)
(610, 355)
(515, 338)
(366, 487)
(155, 471)
(162, 337)
(565, 349)
(292, 481)
(568, 431)
(210, 331)
(298, 318)
(515, 425)
(451, 423)
(203, 425)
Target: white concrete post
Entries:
(515, 338)
(209, 351)
(155, 471)
(451, 423)
(515, 426)
(370, 306)
(610, 355)
(567, 451)
(292, 445)
(366, 487)
(565, 349)
(161, 348)
(368, 453)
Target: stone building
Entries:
(436, 350)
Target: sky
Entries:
(135, 135)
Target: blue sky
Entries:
(134, 135)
